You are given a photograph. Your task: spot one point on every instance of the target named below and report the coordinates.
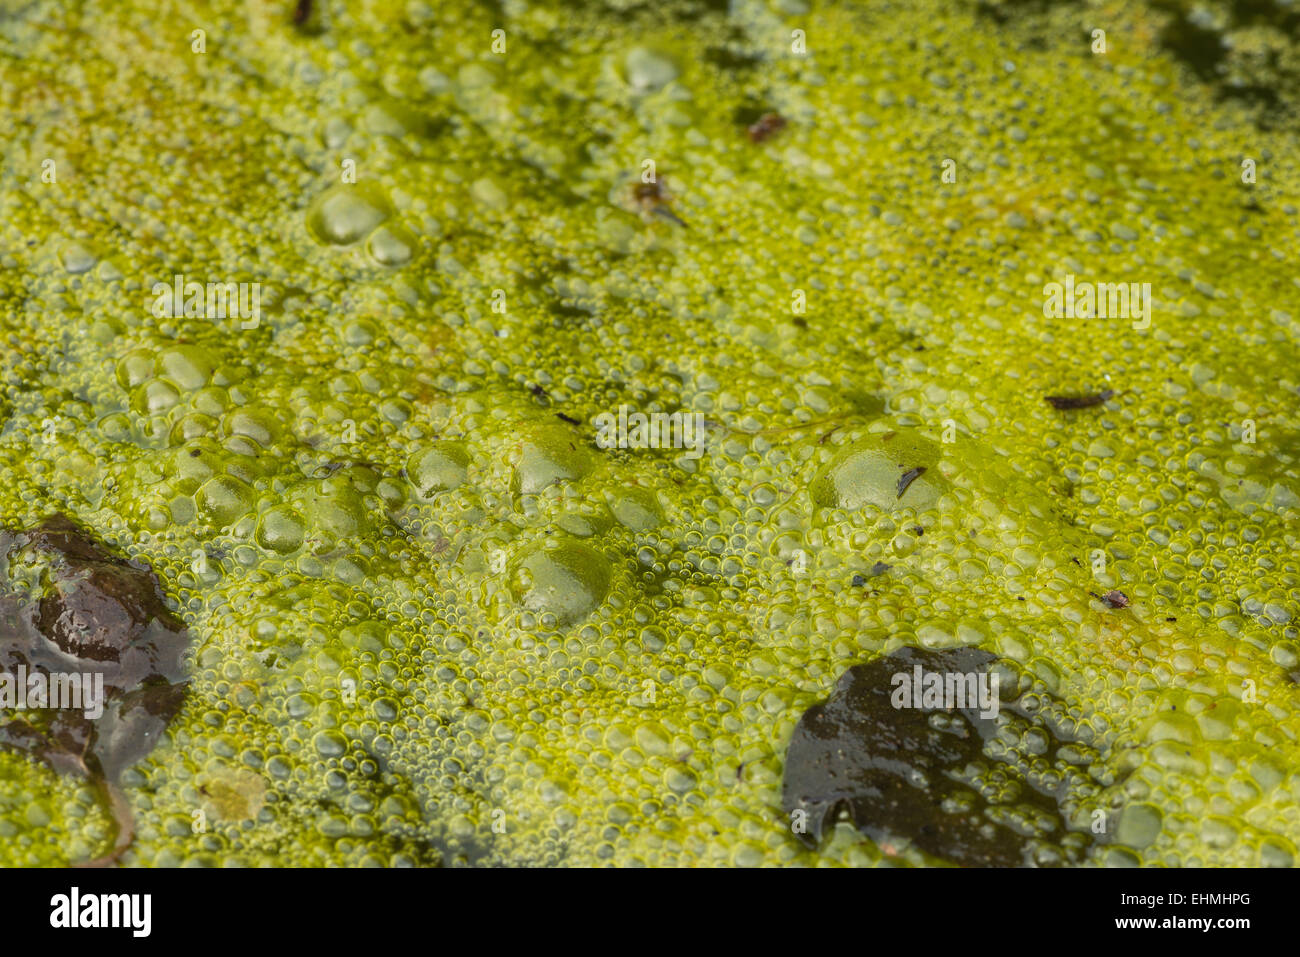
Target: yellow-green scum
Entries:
(435, 623)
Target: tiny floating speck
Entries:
(908, 477)
(1112, 599)
(768, 124)
(879, 568)
(1079, 401)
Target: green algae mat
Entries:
(542, 434)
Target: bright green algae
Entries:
(435, 623)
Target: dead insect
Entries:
(1079, 401)
(567, 418)
(651, 192)
(1112, 599)
(653, 199)
(301, 12)
(663, 212)
(767, 125)
(908, 477)
(1115, 598)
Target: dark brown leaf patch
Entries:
(69, 607)
(922, 774)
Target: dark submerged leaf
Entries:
(85, 612)
(912, 773)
